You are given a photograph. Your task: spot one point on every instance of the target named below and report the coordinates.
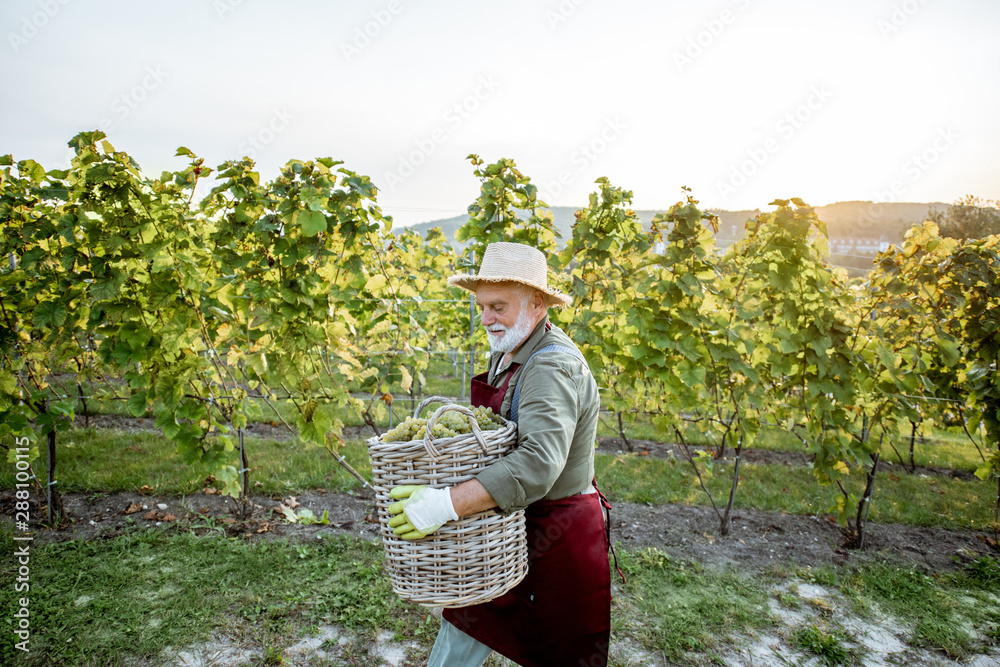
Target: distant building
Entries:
(844, 245)
(847, 245)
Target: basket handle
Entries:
(429, 446)
(430, 399)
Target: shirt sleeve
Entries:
(548, 412)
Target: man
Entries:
(559, 614)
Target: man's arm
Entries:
(471, 497)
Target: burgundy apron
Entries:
(560, 613)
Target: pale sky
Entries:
(744, 101)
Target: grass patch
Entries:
(940, 447)
(907, 499)
(103, 602)
(827, 645)
(111, 602)
(678, 607)
(109, 461)
(944, 612)
(984, 572)
(937, 446)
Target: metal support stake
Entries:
(472, 332)
(245, 471)
(50, 493)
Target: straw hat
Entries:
(512, 262)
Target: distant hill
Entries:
(855, 219)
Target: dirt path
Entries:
(757, 540)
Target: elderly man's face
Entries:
(507, 323)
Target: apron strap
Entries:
(572, 351)
(607, 527)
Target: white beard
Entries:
(513, 336)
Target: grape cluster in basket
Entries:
(448, 425)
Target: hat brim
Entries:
(471, 282)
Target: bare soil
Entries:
(757, 540)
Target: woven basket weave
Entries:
(465, 562)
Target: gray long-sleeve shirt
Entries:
(557, 424)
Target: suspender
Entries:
(572, 351)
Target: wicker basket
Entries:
(465, 562)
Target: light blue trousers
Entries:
(454, 648)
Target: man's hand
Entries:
(420, 511)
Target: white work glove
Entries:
(421, 510)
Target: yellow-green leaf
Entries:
(311, 222)
(407, 381)
(376, 283)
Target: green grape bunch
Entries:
(450, 424)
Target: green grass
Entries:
(104, 460)
(944, 448)
(676, 606)
(102, 602)
(827, 645)
(984, 572)
(908, 499)
(953, 613)
(444, 379)
(939, 447)
(112, 601)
